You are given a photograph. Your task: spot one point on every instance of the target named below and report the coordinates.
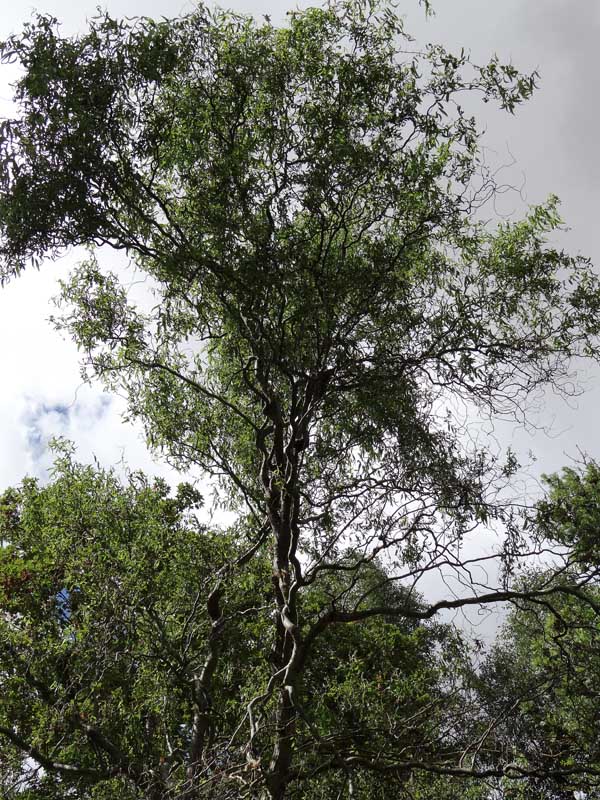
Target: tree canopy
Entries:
(306, 204)
(545, 665)
(113, 600)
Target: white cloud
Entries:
(43, 394)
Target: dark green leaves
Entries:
(570, 515)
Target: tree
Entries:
(108, 629)
(105, 635)
(304, 200)
(541, 678)
(539, 685)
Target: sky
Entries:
(549, 146)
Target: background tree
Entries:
(107, 631)
(110, 606)
(305, 203)
(541, 683)
(541, 678)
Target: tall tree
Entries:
(305, 202)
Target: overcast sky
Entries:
(552, 140)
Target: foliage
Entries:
(304, 201)
(106, 625)
(570, 514)
(541, 682)
(541, 679)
